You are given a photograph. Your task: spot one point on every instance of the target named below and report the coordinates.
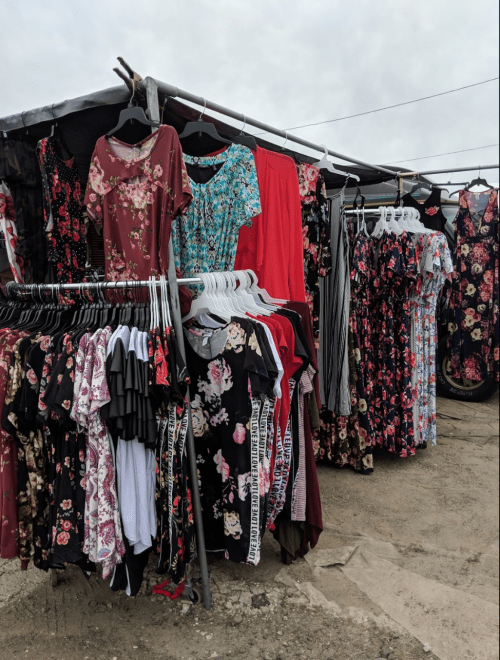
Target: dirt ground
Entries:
(435, 514)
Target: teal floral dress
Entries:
(205, 238)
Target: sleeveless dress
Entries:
(473, 344)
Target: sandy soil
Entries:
(436, 512)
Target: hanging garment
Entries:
(8, 227)
(229, 382)
(20, 170)
(272, 245)
(347, 440)
(333, 355)
(435, 266)
(134, 193)
(431, 210)
(205, 238)
(316, 236)
(474, 340)
(64, 222)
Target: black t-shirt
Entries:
(431, 211)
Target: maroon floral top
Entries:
(134, 193)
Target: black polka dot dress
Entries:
(65, 226)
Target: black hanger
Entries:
(133, 112)
(420, 185)
(201, 127)
(246, 140)
(478, 181)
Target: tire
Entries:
(461, 390)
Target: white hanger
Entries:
(254, 288)
(381, 225)
(207, 302)
(326, 164)
(252, 301)
(393, 225)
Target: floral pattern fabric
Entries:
(317, 251)
(205, 239)
(435, 266)
(65, 226)
(103, 541)
(134, 193)
(228, 389)
(8, 227)
(474, 339)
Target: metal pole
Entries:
(13, 286)
(450, 171)
(175, 92)
(154, 111)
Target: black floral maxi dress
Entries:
(474, 338)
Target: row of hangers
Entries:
(229, 294)
(395, 220)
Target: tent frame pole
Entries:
(175, 92)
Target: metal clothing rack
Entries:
(173, 282)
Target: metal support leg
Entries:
(154, 113)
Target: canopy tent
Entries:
(84, 119)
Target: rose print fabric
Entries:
(63, 213)
(134, 193)
(103, 540)
(317, 251)
(474, 340)
(229, 382)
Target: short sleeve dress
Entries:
(134, 192)
(206, 238)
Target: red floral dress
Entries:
(474, 340)
(8, 227)
(134, 193)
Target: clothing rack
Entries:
(172, 280)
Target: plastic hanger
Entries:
(326, 164)
(246, 140)
(381, 225)
(206, 302)
(132, 112)
(262, 292)
(393, 224)
(478, 181)
(201, 127)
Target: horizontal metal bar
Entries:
(83, 286)
(175, 92)
(461, 169)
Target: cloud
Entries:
(285, 62)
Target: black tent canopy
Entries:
(84, 119)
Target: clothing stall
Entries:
(189, 322)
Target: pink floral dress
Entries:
(103, 534)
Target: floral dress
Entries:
(228, 384)
(205, 239)
(63, 213)
(317, 252)
(435, 267)
(474, 339)
(134, 193)
(103, 540)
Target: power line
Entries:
(449, 153)
(389, 107)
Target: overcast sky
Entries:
(285, 62)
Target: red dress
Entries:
(134, 193)
(273, 245)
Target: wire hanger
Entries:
(133, 111)
(246, 140)
(201, 127)
(326, 164)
